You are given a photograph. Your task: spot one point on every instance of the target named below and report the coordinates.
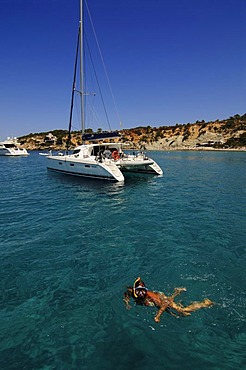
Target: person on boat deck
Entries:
(107, 153)
(144, 297)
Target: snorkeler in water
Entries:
(144, 297)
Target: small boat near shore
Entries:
(45, 153)
(11, 147)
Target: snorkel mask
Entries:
(138, 287)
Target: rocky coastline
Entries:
(228, 134)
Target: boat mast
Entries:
(73, 92)
(82, 69)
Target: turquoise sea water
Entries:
(69, 247)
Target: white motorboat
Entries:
(10, 147)
(97, 160)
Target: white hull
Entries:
(139, 165)
(86, 168)
(13, 153)
(88, 161)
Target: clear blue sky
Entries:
(169, 61)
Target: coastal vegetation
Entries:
(228, 133)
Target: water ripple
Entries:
(70, 247)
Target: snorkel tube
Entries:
(138, 280)
(134, 287)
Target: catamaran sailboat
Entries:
(100, 160)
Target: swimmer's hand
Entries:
(179, 290)
(127, 300)
(157, 319)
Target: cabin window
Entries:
(96, 150)
(71, 164)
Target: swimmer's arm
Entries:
(163, 308)
(127, 297)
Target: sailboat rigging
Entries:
(101, 160)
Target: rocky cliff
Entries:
(221, 134)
